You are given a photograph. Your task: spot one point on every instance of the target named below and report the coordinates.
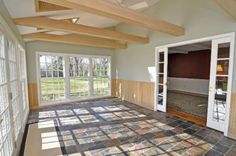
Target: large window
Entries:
(66, 77)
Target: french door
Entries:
(6, 141)
(13, 97)
(220, 83)
(161, 79)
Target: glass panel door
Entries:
(6, 142)
(161, 79)
(220, 83)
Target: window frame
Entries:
(68, 98)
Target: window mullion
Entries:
(90, 77)
(67, 77)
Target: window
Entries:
(52, 78)
(101, 76)
(79, 77)
(64, 77)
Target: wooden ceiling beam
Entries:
(116, 12)
(61, 25)
(45, 7)
(228, 5)
(76, 40)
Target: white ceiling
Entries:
(26, 8)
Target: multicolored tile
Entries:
(116, 127)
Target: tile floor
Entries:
(115, 127)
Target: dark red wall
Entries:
(192, 65)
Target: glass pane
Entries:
(52, 80)
(161, 57)
(3, 98)
(101, 76)
(79, 80)
(221, 84)
(52, 89)
(161, 77)
(222, 67)
(79, 87)
(161, 68)
(160, 89)
(101, 86)
(219, 106)
(2, 52)
(160, 100)
(223, 50)
(3, 77)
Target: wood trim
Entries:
(46, 7)
(116, 12)
(61, 25)
(232, 118)
(188, 117)
(140, 93)
(228, 5)
(33, 96)
(75, 39)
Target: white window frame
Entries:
(67, 78)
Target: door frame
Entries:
(204, 39)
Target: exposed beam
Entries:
(45, 7)
(228, 5)
(116, 12)
(75, 39)
(61, 25)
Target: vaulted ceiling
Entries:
(85, 22)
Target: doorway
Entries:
(213, 96)
(188, 81)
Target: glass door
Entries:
(161, 79)
(6, 142)
(220, 83)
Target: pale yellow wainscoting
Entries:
(232, 122)
(140, 93)
(33, 96)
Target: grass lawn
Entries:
(53, 88)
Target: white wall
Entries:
(198, 86)
(200, 18)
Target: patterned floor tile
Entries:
(116, 127)
(81, 111)
(88, 118)
(73, 120)
(64, 112)
(105, 151)
(117, 131)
